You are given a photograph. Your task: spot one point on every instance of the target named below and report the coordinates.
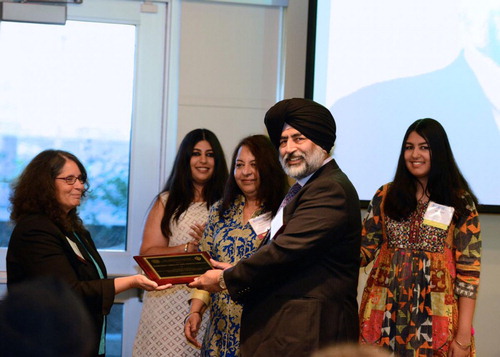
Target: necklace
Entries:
(249, 210)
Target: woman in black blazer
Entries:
(49, 238)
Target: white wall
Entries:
(229, 62)
(231, 58)
(487, 310)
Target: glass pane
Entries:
(70, 87)
(114, 331)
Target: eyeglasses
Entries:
(70, 180)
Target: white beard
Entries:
(311, 163)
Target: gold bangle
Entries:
(188, 315)
(464, 347)
(186, 247)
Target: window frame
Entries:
(153, 126)
(154, 112)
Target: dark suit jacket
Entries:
(299, 291)
(38, 247)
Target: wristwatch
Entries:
(222, 283)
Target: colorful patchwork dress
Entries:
(410, 302)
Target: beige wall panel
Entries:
(229, 55)
(228, 124)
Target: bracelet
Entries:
(464, 347)
(186, 247)
(188, 315)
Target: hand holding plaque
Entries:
(179, 268)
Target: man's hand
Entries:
(220, 265)
(210, 280)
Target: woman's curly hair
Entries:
(34, 191)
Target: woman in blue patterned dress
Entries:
(236, 225)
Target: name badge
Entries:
(276, 223)
(75, 249)
(261, 224)
(438, 216)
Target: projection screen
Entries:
(381, 65)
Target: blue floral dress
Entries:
(227, 240)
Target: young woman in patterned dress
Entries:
(422, 231)
(256, 187)
(174, 225)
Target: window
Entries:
(71, 88)
(98, 87)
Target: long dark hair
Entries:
(34, 191)
(446, 184)
(180, 182)
(274, 183)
